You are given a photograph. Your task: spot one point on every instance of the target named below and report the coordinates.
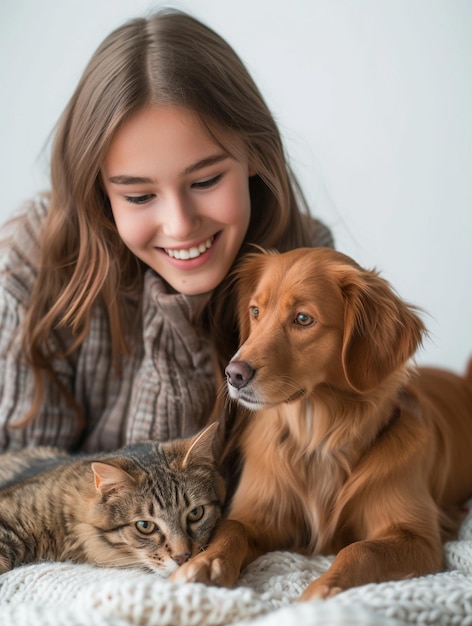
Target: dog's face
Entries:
(310, 317)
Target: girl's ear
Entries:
(381, 331)
(109, 478)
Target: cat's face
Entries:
(160, 526)
(157, 510)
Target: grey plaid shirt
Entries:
(166, 388)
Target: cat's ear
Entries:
(202, 446)
(109, 477)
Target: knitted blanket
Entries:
(66, 594)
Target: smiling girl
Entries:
(117, 312)
(180, 202)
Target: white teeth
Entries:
(190, 253)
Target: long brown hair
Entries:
(168, 58)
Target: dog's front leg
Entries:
(220, 564)
(400, 556)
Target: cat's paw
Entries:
(206, 570)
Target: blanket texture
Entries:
(65, 594)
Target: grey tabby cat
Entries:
(151, 505)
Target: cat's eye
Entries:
(145, 527)
(196, 514)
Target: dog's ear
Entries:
(381, 331)
(247, 276)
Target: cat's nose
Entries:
(181, 558)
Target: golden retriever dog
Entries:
(347, 449)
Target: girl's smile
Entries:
(193, 257)
(180, 202)
(190, 253)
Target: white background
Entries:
(374, 101)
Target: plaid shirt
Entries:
(166, 388)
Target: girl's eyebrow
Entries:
(124, 179)
(206, 162)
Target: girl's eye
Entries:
(255, 312)
(145, 527)
(196, 514)
(139, 199)
(302, 319)
(204, 184)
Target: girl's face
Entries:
(180, 202)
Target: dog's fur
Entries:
(348, 451)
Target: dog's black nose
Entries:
(239, 373)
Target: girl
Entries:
(116, 304)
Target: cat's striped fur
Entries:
(150, 505)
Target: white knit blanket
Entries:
(64, 594)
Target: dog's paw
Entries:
(206, 570)
(319, 591)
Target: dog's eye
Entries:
(254, 312)
(302, 319)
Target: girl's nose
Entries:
(180, 219)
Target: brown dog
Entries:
(348, 450)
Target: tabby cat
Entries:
(150, 505)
